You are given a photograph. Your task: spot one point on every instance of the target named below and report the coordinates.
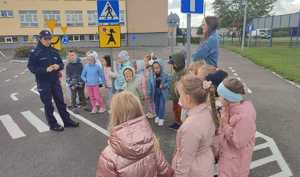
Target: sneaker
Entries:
(161, 122)
(94, 111)
(102, 110)
(174, 126)
(156, 120)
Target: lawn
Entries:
(284, 61)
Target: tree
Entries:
(200, 30)
(231, 12)
(178, 31)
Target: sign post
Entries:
(109, 20)
(245, 3)
(191, 7)
(110, 36)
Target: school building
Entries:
(143, 22)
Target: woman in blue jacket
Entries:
(209, 49)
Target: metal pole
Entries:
(188, 45)
(245, 21)
(249, 38)
(172, 40)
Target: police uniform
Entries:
(48, 83)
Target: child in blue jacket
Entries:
(93, 76)
(158, 86)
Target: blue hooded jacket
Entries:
(92, 75)
(120, 80)
(165, 82)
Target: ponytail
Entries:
(212, 102)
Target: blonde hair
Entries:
(195, 66)
(207, 69)
(124, 107)
(193, 86)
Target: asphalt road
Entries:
(30, 149)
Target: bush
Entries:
(194, 40)
(23, 52)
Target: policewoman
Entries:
(46, 64)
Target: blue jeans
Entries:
(160, 103)
(110, 94)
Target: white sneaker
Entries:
(156, 120)
(161, 122)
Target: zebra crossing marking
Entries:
(35, 121)
(57, 117)
(12, 128)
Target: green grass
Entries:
(284, 61)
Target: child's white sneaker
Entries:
(94, 111)
(156, 120)
(102, 110)
(161, 122)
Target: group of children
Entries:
(214, 120)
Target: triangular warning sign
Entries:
(108, 13)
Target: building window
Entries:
(76, 37)
(52, 15)
(28, 18)
(8, 39)
(74, 18)
(93, 17)
(93, 37)
(6, 13)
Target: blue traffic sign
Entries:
(108, 11)
(192, 6)
(65, 39)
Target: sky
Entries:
(280, 7)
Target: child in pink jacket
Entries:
(237, 130)
(194, 156)
(133, 149)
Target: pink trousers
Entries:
(95, 96)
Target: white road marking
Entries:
(13, 96)
(233, 71)
(2, 54)
(22, 73)
(79, 117)
(16, 76)
(12, 128)
(3, 69)
(276, 156)
(230, 68)
(238, 78)
(249, 91)
(235, 74)
(89, 123)
(34, 90)
(57, 117)
(35, 121)
(290, 82)
(7, 80)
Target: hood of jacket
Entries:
(178, 61)
(133, 139)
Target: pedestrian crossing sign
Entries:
(108, 11)
(109, 36)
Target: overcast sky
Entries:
(281, 7)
